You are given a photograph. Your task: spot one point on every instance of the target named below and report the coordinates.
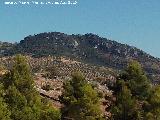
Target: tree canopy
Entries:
(80, 99)
(132, 91)
(22, 101)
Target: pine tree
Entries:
(137, 81)
(4, 112)
(80, 99)
(22, 99)
(125, 107)
(132, 91)
(153, 112)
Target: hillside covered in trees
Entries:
(88, 48)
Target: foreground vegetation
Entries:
(81, 100)
(136, 97)
(18, 97)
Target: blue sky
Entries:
(134, 22)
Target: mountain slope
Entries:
(5, 46)
(88, 48)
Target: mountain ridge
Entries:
(89, 48)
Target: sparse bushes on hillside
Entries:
(51, 72)
(47, 87)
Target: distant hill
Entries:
(5, 46)
(88, 48)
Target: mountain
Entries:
(88, 48)
(5, 46)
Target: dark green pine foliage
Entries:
(152, 106)
(4, 112)
(132, 90)
(136, 80)
(125, 107)
(80, 99)
(22, 99)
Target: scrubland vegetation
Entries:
(133, 96)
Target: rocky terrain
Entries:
(51, 87)
(88, 48)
